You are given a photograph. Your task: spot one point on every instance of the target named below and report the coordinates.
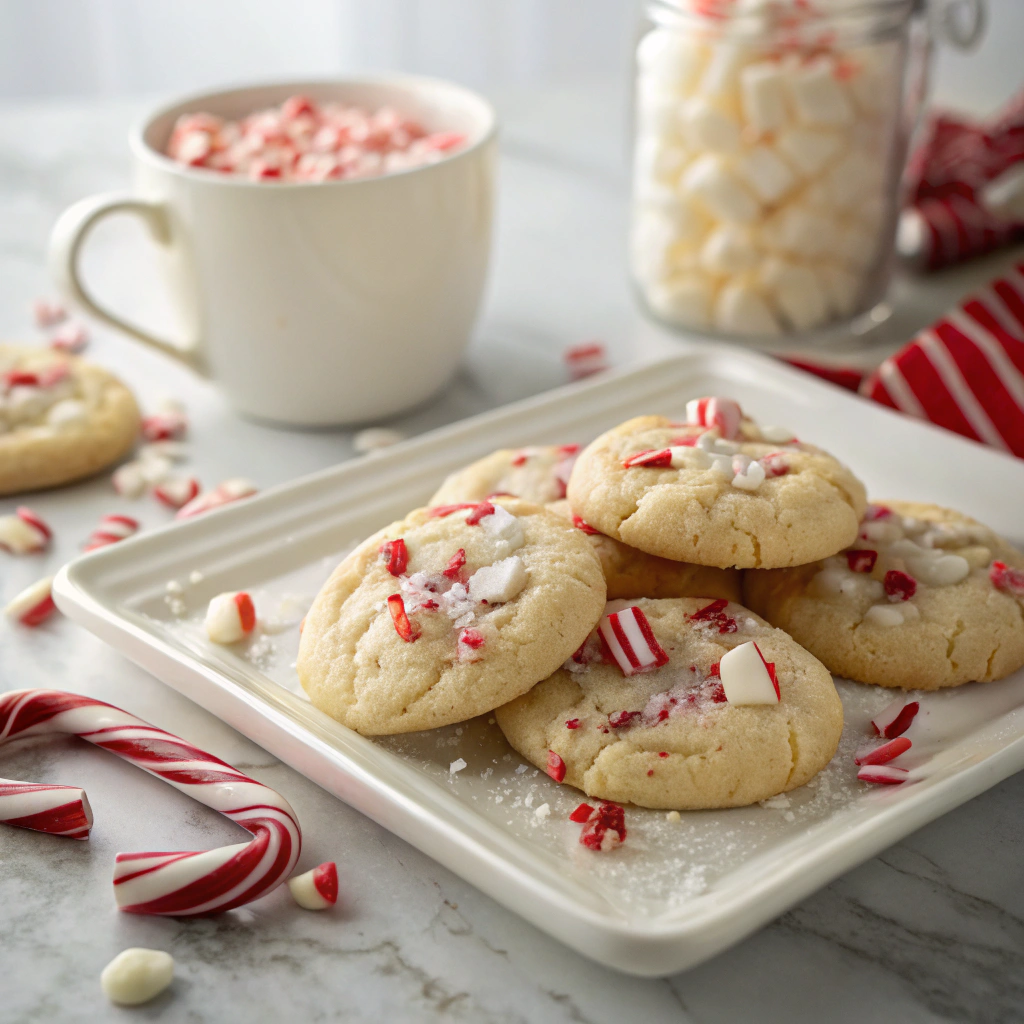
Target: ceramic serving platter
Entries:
(677, 892)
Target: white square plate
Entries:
(675, 893)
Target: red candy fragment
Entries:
(581, 524)
(325, 881)
(899, 586)
(895, 719)
(26, 515)
(455, 564)
(479, 510)
(882, 774)
(662, 753)
(556, 766)
(605, 827)
(20, 378)
(1007, 579)
(586, 359)
(622, 719)
(651, 458)
(519, 459)
(581, 814)
(472, 638)
(177, 491)
(164, 426)
(631, 641)
(861, 560)
(775, 464)
(714, 614)
(396, 556)
(875, 512)
(403, 627)
(885, 752)
(572, 723)
(246, 611)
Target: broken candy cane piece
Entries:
(167, 424)
(581, 814)
(469, 643)
(47, 313)
(875, 512)
(111, 529)
(137, 975)
(861, 560)
(882, 754)
(403, 626)
(129, 480)
(453, 569)
(882, 774)
(895, 719)
(631, 641)
(747, 678)
(605, 828)
(581, 524)
(622, 719)
(24, 532)
(899, 586)
(33, 605)
(395, 556)
(723, 413)
(176, 491)
(650, 458)
(479, 509)
(57, 810)
(230, 490)
(70, 337)
(556, 766)
(185, 883)
(499, 583)
(316, 889)
(1007, 579)
(775, 464)
(20, 378)
(586, 359)
(230, 617)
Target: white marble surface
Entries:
(932, 930)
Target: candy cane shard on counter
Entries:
(176, 884)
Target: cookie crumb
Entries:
(673, 816)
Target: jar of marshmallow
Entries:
(770, 141)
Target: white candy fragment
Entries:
(173, 451)
(230, 617)
(375, 439)
(316, 889)
(500, 582)
(505, 529)
(746, 678)
(456, 766)
(749, 478)
(710, 180)
(129, 481)
(777, 435)
(66, 412)
(542, 812)
(137, 975)
(884, 615)
(764, 95)
(764, 171)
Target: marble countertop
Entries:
(931, 930)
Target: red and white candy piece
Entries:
(585, 360)
(883, 754)
(1006, 579)
(404, 626)
(316, 889)
(47, 313)
(24, 533)
(59, 810)
(723, 413)
(168, 423)
(111, 529)
(230, 617)
(604, 826)
(33, 605)
(631, 641)
(747, 678)
(129, 480)
(174, 884)
(176, 491)
(70, 337)
(883, 774)
(896, 717)
(899, 586)
(224, 493)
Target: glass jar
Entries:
(770, 140)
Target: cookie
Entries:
(668, 737)
(755, 499)
(447, 614)
(60, 419)
(538, 474)
(630, 573)
(924, 599)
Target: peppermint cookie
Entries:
(681, 704)
(630, 573)
(60, 419)
(716, 490)
(925, 598)
(538, 474)
(447, 614)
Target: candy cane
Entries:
(175, 884)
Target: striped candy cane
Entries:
(174, 884)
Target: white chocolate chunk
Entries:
(739, 309)
(764, 96)
(745, 677)
(305, 893)
(505, 529)
(884, 615)
(807, 150)
(818, 96)
(498, 583)
(683, 300)
(777, 435)
(729, 249)
(711, 181)
(670, 57)
(766, 173)
(750, 478)
(797, 291)
(137, 975)
(705, 127)
(66, 412)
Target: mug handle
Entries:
(69, 235)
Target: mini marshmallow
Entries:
(764, 96)
(669, 57)
(67, 412)
(807, 150)
(729, 249)
(746, 678)
(683, 300)
(766, 173)
(722, 71)
(853, 177)
(498, 583)
(705, 127)
(316, 889)
(710, 180)
(797, 291)
(856, 246)
(841, 287)
(137, 975)
(660, 159)
(818, 96)
(739, 309)
(230, 617)
(799, 231)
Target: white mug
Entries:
(312, 303)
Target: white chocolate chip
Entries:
(884, 615)
(499, 583)
(137, 975)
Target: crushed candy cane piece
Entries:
(622, 719)
(395, 555)
(403, 626)
(556, 766)
(631, 641)
(170, 451)
(586, 359)
(747, 678)
(443, 511)
(650, 458)
(229, 490)
(884, 753)
(24, 533)
(1004, 578)
(861, 559)
(47, 313)
(581, 524)
(316, 889)
(34, 604)
(176, 491)
(715, 616)
(129, 481)
(605, 828)
(169, 424)
(70, 337)
(775, 464)
(875, 512)
(572, 723)
(230, 617)
(883, 774)
(110, 530)
(749, 476)
(894, 720)
(899, 586)
(453, 570)
(376, 439)
(723, 413)
(581, 813)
